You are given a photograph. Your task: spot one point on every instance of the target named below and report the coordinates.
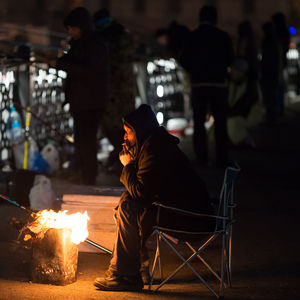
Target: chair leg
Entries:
(223, 265)
(186, 262)
(229, 256)
(159, 258)
(204, 262)
(156, 260)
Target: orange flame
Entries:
(77, 222)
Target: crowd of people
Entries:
(251, 92)
(239, 83)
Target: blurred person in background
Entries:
(173, 38)
(86, 90)
(247, 49)
(206, 58)
(270, 71)
(283, 36)
(245, 105)
(122, 81)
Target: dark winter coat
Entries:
(122, 78)
(161, 171)
(270, 62)
(207, 55)
(87, 69)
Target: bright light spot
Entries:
(67, 107)
(4, 154)
(293, 30)
(7, 78)
(292, 54)
(62, 74)
(150, 67)
(167, 64)
(52, 71)
(209, 122)
(160, 117)
(160, 91)
(50, 78)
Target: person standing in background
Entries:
(270, 71)
(206, 58)
(284, 38)
(247, 49)
(122, 81)
(86, 89)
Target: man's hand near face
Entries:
(129, 138)
(125, 158)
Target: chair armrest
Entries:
(189, 213)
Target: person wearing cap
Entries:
(86, 89)
(154, 170)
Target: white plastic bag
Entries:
(51, 155)
(41, 195)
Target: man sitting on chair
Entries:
(155, 170)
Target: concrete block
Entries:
(101, 226)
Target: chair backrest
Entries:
(226, 201)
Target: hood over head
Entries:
(102, 17)
(79, 17)
(143, 121)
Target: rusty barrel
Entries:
(54, 258)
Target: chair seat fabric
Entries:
(174, 220)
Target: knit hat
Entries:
(143, 121)
(79, 17)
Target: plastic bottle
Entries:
(14, 128)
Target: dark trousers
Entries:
(86, 144)
(214, 101)
(134, 226)
(271, 96)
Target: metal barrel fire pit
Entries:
(54, 258)
(54, 240)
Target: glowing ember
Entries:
(27, 237)
(77, 222)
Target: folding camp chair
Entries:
(223, 219)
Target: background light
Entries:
(160, 91)
(292, 30)
(160, 117)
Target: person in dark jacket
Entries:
(247, 49)
(122, 80)
(155, 169)
(206, 58)
(270, 71)
(86, 88)
(284, 39)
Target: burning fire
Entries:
(77, 222)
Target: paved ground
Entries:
(266, 247)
